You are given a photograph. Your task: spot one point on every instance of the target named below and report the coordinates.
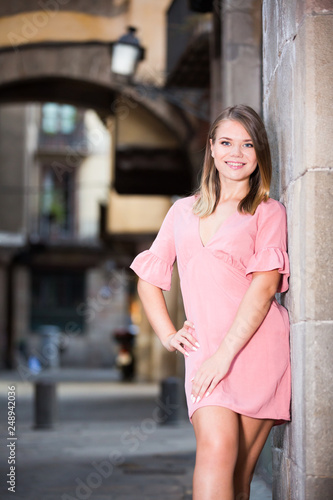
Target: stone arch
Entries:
(63, 90)
(80, 74)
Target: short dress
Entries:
(213, 279)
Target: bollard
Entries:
(170, 397)
(45, 404)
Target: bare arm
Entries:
(156, 310)
(251, 312)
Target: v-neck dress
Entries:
(213, 279)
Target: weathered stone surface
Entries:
(311, 440)
(319, 488)
(309, 202)
(240, 90)
(304, 450)
(297, 110)
(241, 52)
(291, 123)
(296, 486)
(239, 26)
(279, 29)
(311, 7)
(296, 449)
(280, 121)
(316, 37)
(318, 399)
(318, 196)
(280, 436)
(281, 475)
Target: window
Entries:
(58, 118)
(56, 204)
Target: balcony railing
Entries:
(60, 142)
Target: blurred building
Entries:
(77, 228)
(90, 165)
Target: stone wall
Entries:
(241, 53)
(297, 101)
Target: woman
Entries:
(230, 243)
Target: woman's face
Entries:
(233, 152)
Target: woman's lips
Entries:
(235, 165)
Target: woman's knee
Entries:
(216, 431)
(217, 448)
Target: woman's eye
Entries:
(248, 145)
(225, 143)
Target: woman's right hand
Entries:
(183, 340)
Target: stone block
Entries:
(297, 426)
(297, 70)
(318, 399)
(281, 475)
(310, 204)
(279, 28)
(279, 436)
(319, 488)
(241, 75)
(312, 7)
(239, 27)
(300, 77)
(304, 451)
(238, 89)
(279, 97)
(294, 299)
(318, 90)
(296, 485)
(318, 195)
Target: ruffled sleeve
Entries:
(271, 243)
(156, 264)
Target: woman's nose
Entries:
(237, 150)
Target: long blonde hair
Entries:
(209, 192)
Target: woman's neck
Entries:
(233, 190)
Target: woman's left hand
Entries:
(210, 373)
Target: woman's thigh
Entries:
(253, 433)
(217, 433)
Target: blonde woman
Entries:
(230, 243)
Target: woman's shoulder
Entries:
(184, 204)
(270, 208)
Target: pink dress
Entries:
(213, 281)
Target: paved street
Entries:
(107, 443)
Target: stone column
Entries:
(154, 362)
(165, 363)
(298, 92)
(241, 53)
(216, 62)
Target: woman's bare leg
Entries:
(216, 431)
(253, 433)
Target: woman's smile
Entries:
(233, 152)
(235, 165)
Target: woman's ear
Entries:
(211, 147)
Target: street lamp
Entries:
(126, 53)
